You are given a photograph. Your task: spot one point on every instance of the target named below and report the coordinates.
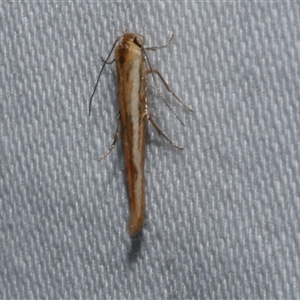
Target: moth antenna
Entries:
(94, 91)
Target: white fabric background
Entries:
(222, 216)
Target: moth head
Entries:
(135, 38)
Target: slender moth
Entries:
(131, 60)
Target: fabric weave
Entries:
(222, 217)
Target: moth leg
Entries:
(168, 105)
(160, 47)
(116, 136)
(155, 71)
(158, 129)
(107, 62)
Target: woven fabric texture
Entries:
(222, 216)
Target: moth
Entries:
(131, 64)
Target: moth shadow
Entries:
(136, 245)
